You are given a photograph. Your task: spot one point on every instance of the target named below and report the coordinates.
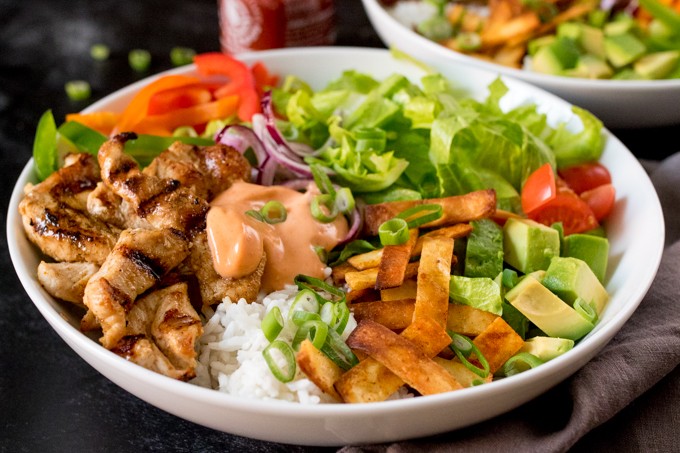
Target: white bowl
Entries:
(618, 103)
(635, 230)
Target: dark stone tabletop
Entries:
(50, 399)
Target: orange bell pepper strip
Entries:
(241, 81)
(178, 98)
(166, 123)
(137, 109)
(102, 122)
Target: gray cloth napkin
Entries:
(645, 350)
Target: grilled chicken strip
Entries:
(212, 285)
(162, 202)
(167, 317)
(54, 214)
(66, 281)
(209, 170)
(139, 260)
(143, 352)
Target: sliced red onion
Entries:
(356, 220)
(297, 149)
(267, 173)
(241, 138)
(297, 184)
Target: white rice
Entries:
(230, 352)
(412, 12)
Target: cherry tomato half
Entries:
(600, 199)
(568, 208)
(538, 189)
(586, 176)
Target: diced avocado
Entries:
(481, 293)
(618, 28)
(555, 57)
(570, 278)
(547, 311)
(592, 41)
(659, 29)
(529, 246)
(570, 30)
(623, 49)
(538, 275)
(591, 67)
(594, 250)
(627, 74)
(598, 17)
(537, 43)
(484, 254)
(657, 65)
(547, 348)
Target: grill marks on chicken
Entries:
(54, 214)
(128, 240)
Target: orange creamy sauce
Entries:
(237, 241)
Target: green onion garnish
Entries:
(315, 330)
(286, 353)
(585, 309)
(322, 253)
(519, 363)
(274, 212)
(78, 90)
(300, 317)
(305, 300)
(468, 41)
(272, 324)
(338, 351)
(328, 313)
(323, 208)
(344, 200)
(180, 56)
(421, 214)
(139, 59)
(464, 347)
(393, 232)
(311, 284)
(100, 52)
(323, 182)
(341, 316)
(255, 215)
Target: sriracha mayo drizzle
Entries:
(237, 240)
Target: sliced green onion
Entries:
(344, 200)
(78, 90)
(300, 317)
(274, 212)
(323, 182)
(305, 300)
(393, 232)
(421, 214)
(519, 363)
(323, 208)
(288, 372)
(509, 278)
(327, 313)
(322, 253)
(139, 59)
(100, 52)
(272, 324)
(180, 56)
(468, 41)
(463, 347)
(255, 215)
(338, 351)
(315, 330)
(341, 316)
(585, 309)
(476, 382)
(310, 283)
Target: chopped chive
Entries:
(139, 59)
(180, 56)
(100, 52)
(393, 232)
(78, 90)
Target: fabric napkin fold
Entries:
(646, 349)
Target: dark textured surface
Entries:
(50, 399)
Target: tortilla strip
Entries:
(321, 370)
(434, 274)
(393, 263)
(497, 343)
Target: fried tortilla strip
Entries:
(467, 320)
(456, 209)
(406, 290)
(403, 357)
(321, 370)
(434, 274)
(465, 377)
(510, 55)
(371, 381)
(394, 260)
(362, 295)
(366, 279)
(498, 342)
(519, 25)
(338, 272)
(573, 12)
(366, 260)
(393, 314)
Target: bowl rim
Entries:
(587, 348)
(374, 7)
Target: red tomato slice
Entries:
(601, 200)
(538, 189)
(568, 208)
(586, 176)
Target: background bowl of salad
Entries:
(619, 61)
(634, 229)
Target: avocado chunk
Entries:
(570, 278)
(547, 348)
(481, 293)
(591, 67)
(657, 65)
(484, 254)
(594, 250)
(537, 43)
(529, 246)
(592, 41)
(556, 57)
(623, 49)
(570, 30)
(619, 27)
(547, 311)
